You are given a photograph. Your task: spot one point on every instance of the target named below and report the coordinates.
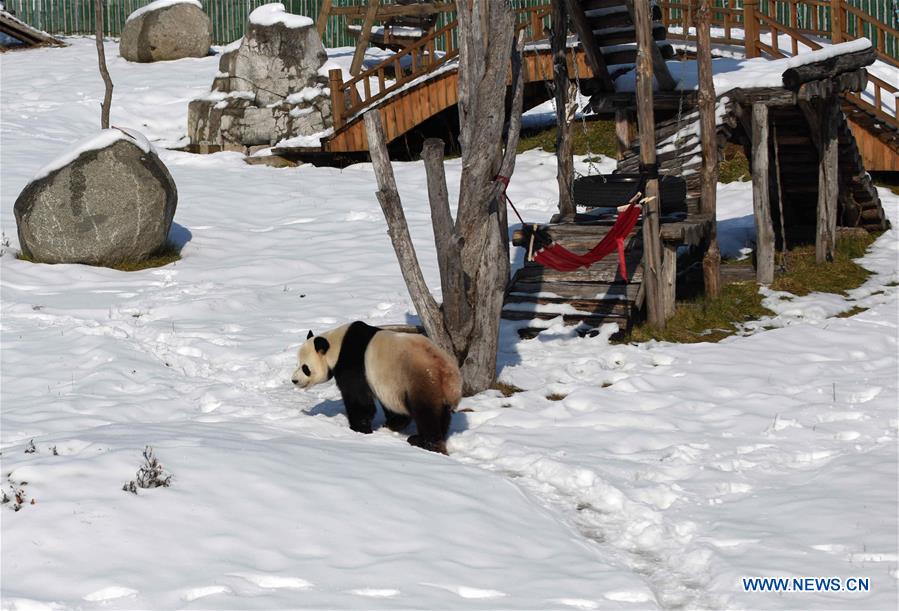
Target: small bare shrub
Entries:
(151, 474)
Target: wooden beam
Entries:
(364, 36)
(761, 204)
(652, 242)
(591, 47)
(641, 10)
(323, 13)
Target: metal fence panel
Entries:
(70, 17)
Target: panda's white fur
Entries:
(410, 376)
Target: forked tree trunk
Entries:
(104, 72)
(473, 250)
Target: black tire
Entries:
(612, 190)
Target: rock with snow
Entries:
(268, 88)
(108, 200)
(165, 30)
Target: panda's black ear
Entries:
(310, 334)
(321, 345)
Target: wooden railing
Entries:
(762, 25)
(415, 61)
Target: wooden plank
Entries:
(577, 290)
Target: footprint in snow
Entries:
(110, 593)
(376, 592)
(468, 592)
(274, 581)
(198, 593)
(577, 603)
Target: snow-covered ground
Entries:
(665, 475)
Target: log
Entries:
(828, 69)
(760, 196)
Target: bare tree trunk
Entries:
(473, 251)
(561, 85)
(104, 72)
(711, 260)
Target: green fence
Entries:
(66, 17)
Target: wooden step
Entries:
(575, 290)
(605, 271)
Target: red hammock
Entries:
(560, 258)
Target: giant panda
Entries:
(410, 376)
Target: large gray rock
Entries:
(110, 200)
(268, 87)
(166, 30)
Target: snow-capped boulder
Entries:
(268, 87)
(106, 201)
(165, 30)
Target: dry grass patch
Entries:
(706, 320)
(169, 253)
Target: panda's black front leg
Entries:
(359, 403)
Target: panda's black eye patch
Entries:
(306, 370)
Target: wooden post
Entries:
(761, 203)
(652, 239)
(323, 13)
(711, 260)
(364, 36)
(669, 277)
(624, 133)
(338, 106)
(750, 28)
(837, 27)
(828, 160)
(564, 158)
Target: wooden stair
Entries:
(584, 297)
(606, 30)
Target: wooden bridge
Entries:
(421, 82)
